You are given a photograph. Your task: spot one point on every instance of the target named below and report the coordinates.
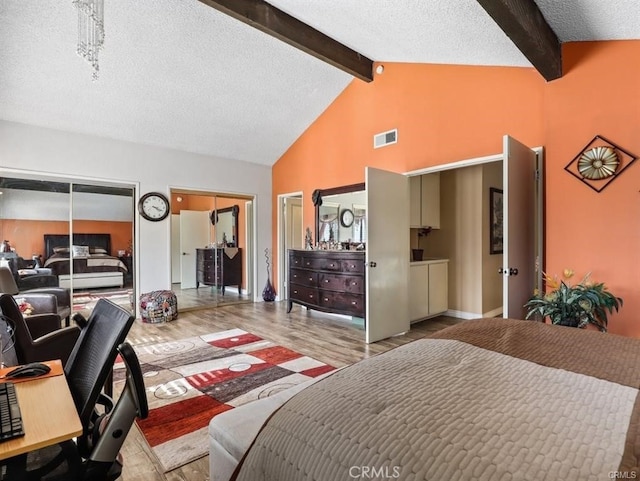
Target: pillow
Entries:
(60, 250)
(97, 250)
(80, 251)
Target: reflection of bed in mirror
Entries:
(93, 264)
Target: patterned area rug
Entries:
(86, 300)
(192, 380)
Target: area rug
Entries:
(190, 381)
(86, 300)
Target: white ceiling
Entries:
(179, 74)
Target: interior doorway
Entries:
(290, 235)
(476, 268)
(211, 248)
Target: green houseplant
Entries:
(576, 305)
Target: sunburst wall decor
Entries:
(599, 163)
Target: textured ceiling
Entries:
(178, 74)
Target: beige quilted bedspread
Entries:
(485, 400)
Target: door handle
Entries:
(185, 253)
(511, 271)
(372, 264)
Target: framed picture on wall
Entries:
(496, 220)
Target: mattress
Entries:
(483, 400)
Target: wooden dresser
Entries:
(225, 271)
(329, 281)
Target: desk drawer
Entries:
(304, 278)
(336, 282)
(304, 294)
(340, 301)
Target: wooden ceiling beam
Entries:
(275, 22)
(525, 25)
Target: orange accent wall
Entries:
(27, 236)
(446, 113)
(589, 231)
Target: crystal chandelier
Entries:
(90, 31)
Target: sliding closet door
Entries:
(102, 244)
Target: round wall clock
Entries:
(154, 206)
(346, 217)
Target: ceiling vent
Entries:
(385, 138)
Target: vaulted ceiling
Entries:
(183, 75)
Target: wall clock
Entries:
(154, 206)
(346, 217)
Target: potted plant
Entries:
(417, 253)
(575, 305)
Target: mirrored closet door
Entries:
(211, 249)
(79, 234)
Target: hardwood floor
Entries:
(327, 338)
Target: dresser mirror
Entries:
(225, 222)
(330, 205)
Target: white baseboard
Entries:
(473, 315)
(493, 313)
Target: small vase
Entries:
(417, 254)
(268, 293)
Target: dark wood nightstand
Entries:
(128, 276)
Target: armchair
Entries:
(61, 295)
(39, 337)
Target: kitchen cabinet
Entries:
(428, 288)
(424, 200)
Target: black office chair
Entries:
(87, 370)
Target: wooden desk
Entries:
(49, 415)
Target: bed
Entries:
(483, 400)
(93, 264)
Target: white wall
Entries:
(37, 205)
(26, 147)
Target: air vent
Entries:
(385, 138)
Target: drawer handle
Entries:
(353, 303)
(326, 299)
(295, 292)
(354, 283)
(331, 265)
(310, 296)
(310, 278)
(352, 266)
(326, 280)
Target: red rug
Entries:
(192, 380)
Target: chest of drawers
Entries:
(329, 281)
(219, 267)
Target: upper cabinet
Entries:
(425, 200)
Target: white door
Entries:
(175, 248)
(518, 265)
(387, 254)
(194, 233)
(248, 229)
(293, 235)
